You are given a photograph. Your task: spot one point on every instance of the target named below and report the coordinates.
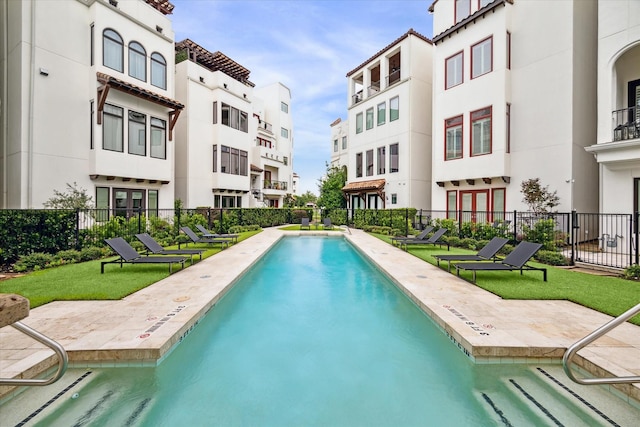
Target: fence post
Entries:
(574, 222)
(459, 222)
(635, 229)
(139, 221)
(77, 230)
(406, 221)
(515, 225)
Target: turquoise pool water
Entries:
(313, 335)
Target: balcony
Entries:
(357, 97)
(264, 126)
(275, 185)
(374, 88)
(626, 124)
(393, 77)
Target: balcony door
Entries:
(127, 201)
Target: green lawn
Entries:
(83, 281)
(610, 295)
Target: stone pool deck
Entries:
(141, 328)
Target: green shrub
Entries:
(551, 258)
(468, 243)
(34, 261)
(506, 249)
(397, 232)
(92, 252)
(453, 241)
(69, 256)
(632, 272)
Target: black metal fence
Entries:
(607, 240)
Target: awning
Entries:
(362, 186)
(108, 82)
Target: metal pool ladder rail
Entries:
(602, 330)
(14, 308)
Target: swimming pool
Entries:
(312, 335)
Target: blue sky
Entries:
(307, 45)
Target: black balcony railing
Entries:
(275, 185)
(357, 97)
(626, 124)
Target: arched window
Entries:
(137, 61)
(112, 50)
(158, 70)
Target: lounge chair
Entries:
(207, 233)
(516, 260)
(487, 253)
(433, 240)
(130, 256)
(326, 224)
(210, 240)
(155, 248)
(423, 235)
(304, 223)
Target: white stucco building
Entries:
(339, 143)
(235, 144)
(514, 99)
(87, 97)
(618, 87)
(389, 127)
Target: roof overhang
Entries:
(108, 82)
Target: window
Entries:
(497, 203)
(91, 113)
(158, 70)
(370, 118)
(508, 50)
(232, 160)
(453, 143)
(102, 204)
(152, 202)
(137, 61)
(481, 131)
(382, 160)
(215, 112)
(137, 133)
(358, 165)
(382, 113)
(463, 9)
(359, 123)
(335, 145)
(394, 198)
(481, 58)
(128, 202)
(483, 3)
(158, 138)
(215, 157)
(393, 158)
(451, 204)
(112, 128)
(394, 108)
(112, 50)
(284, 107)
(508, 136)
(91, 40)
(234, 118)
(453, 72)
(344, 142)
(284, 133)
(369, 162)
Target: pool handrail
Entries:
(602, 330)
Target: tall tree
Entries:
(73, 198)
(330, 187)
(303, 199)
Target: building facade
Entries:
(340, 143)
(618, 140)
(235, 144)
(513, 103)
(389, 127)
(89, 102)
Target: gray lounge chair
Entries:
(209, 240)
(128, 255)
(155, 248)
(304, 224)
(516, 260)
(207, 233)
(326, 224)
(487, 253)
(433, 240)
(423, 235)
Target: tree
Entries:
(73, 198)
(331, 188)
(303, 199)
(539, 199)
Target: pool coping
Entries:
(143, 328)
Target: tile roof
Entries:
(163, 6)
(469, 19)
(374, 184)
(389, 46)
(138, 91)
(335, 122)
